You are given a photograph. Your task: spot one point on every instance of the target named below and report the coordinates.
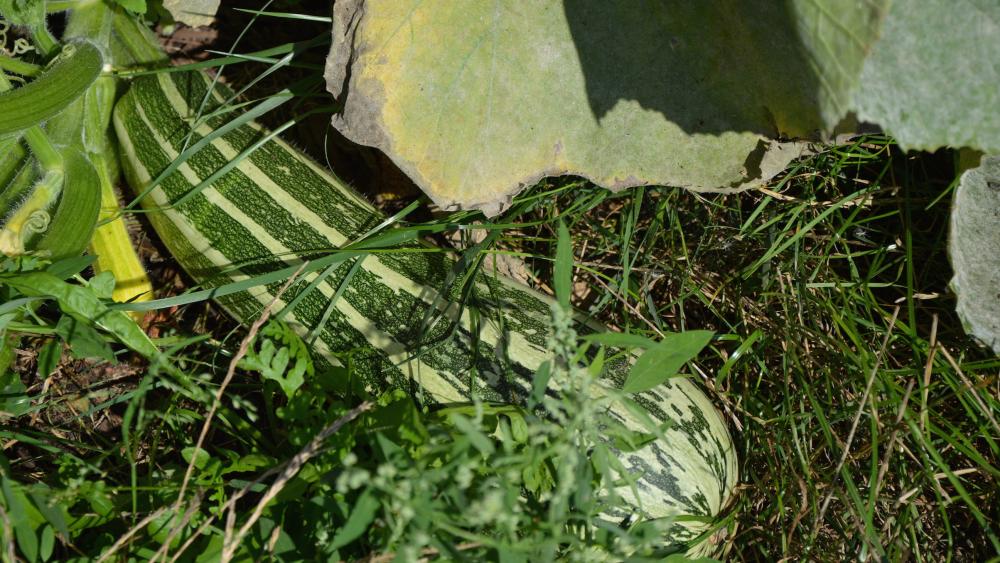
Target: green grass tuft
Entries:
(866, 418)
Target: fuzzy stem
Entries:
(44, 41)
(17, 66)
(33, 216)
(45, 152)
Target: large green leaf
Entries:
(974, 247)
(933, 79)
(475, 100)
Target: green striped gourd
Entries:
(277, 207)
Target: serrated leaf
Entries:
(537, 477)
(664, 360)
(281, 356)
(931, 80)
(249, 462)
(974, 248)
(476, 100)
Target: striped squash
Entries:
(277, 207)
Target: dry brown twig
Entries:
(857, 418)
(8, 536)
(129, 534)
(928, 369)
(884, 466)
(972, 388)
(225, 507)
(231, 543)
(628, 305)
(426, 553)
(230, 372)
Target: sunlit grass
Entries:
(866, 418)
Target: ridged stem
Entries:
(17, 66)
(111, 243)
(44, 41)
(113, 247)
(47, 155)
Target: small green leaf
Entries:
(17, 512)
(362, 515)
(50, 507)
(540, 383)
(563, 278)
(69, 267)
(518, 427)
(664, 360)
(475, 436)
(48, 357)
(135, 6)
(200, 456)
(48, 543)
(83, 339)
(537, 477)
(103, 284)
(626, 440)
(14, 400)
(250, 462)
